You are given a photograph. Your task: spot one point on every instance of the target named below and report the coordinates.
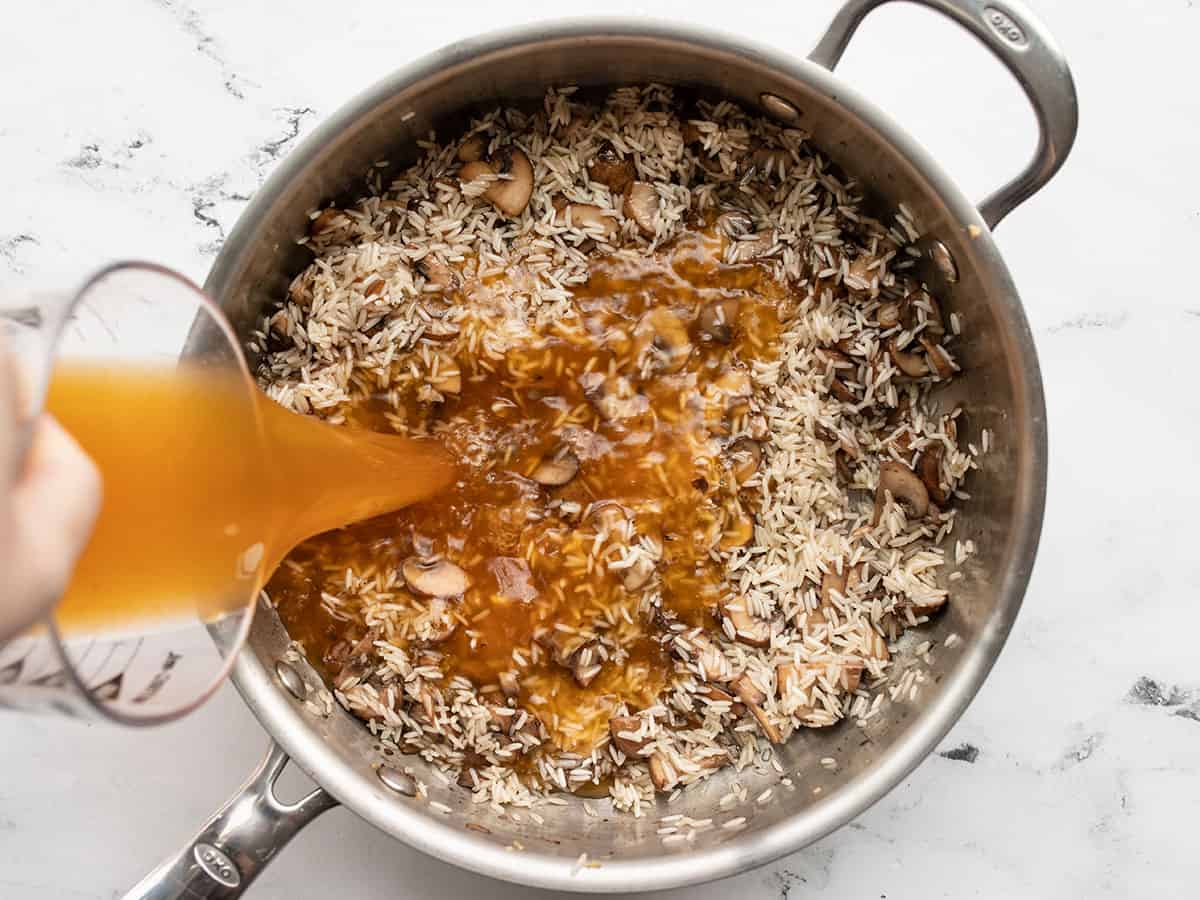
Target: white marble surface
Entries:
(139, 127)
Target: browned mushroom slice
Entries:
(759, 428)
(435, 577)
(586, 663)
(610, 169)
(906, 488)
(747, 691)
(614, 397)
(718, 319)
(661, 340)
(788, 677)
(641, 205)
(509, 195)
(714, 693)
(738, 529)
(638, 575)
(662, 772)
(863, 275)
(911, 364)
(874, 645)
(627, 734)
(557, 469)
(833, 584)
(888, 315)
(929, 467)
(472, 149)
(734, 224)
(926, 606)
(843, 368)
(589, 218)
(747, 629)
(939, 357)
(510, 686)
(751, 247)
(710, 660)
(472, 764)
(769, 728)
(440, 623)
(327, 221)
(438, 274)
(921, 309)
(445, 376)
(745, 456)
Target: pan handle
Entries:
(237, 842)
(1019, 41)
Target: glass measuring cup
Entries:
(98, 653)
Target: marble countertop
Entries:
(140, 127)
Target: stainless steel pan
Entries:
(1001, 386)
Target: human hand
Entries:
(49, 500)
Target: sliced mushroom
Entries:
(911, 364)
(472, 764)
(874, 645)
(922, 301)
(718, 319)
(510, 686)
(787, 678)
(661, 340)
(615, 397)
(326, 221)
(662, 772)
(511, 195)
(446, 377)
(745, 456)
(641, 205)
(586, 663)
(906, 488)
(716, 694)
(747, 691)
(638, 575)
(769, 728)
(929, 467)
(842, 366)
(557, 469)
(435, 577)
(712, 662)
(752, 247)
(940, 357)
(472, 149)
(609, 169)
(888, 315)
(748, 629)
(738, 528)
(926, 606)
(439, 274)
(863, 275)
(591, 218)
(440, 624)
(758, 427)
(624, 731)
(734, 224)
(833, 584)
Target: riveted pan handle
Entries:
(236, 843)
(1019, 41)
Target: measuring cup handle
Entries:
(1015, 37)
(237, 843)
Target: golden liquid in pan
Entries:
(199, 506)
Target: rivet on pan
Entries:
(291, 680)
(778, 108)
(398, 781)
(944, 260)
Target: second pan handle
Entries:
(237, 842)
(1016, 38)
